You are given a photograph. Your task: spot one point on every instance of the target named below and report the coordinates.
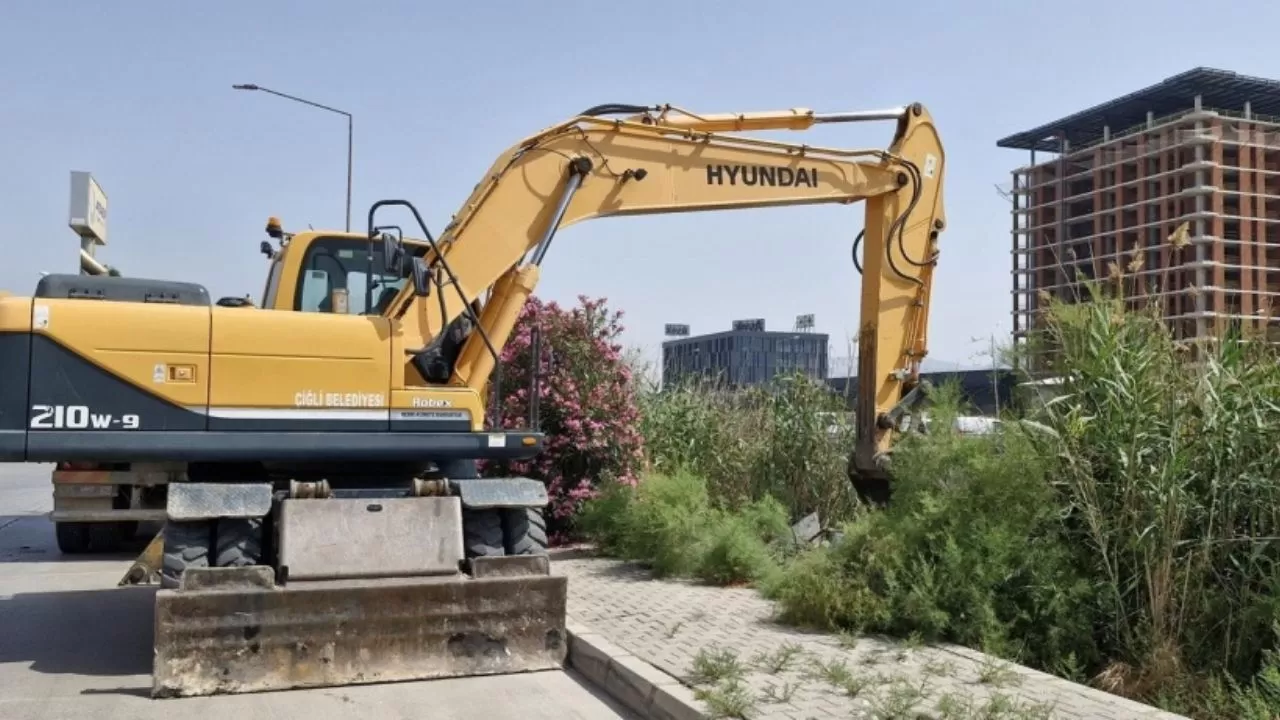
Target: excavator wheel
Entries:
(78, 538)
(524, 531)
(186, 545)
(239, 542)
(73, 537)
(106, 537)
(482, 533)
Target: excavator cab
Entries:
(341, 273)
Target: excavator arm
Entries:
(666, 160)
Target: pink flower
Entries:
(587, 400)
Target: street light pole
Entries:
(250, 86)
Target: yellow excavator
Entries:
(313, 456)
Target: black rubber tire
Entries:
(482, 533)
(105, 537)
(73, 537)
(186, 545)
(239, 542)
(128, 530)
(524, 531)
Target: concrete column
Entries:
(1250, 247)
(1099, 214)
(1198, 231)
(1019, 278)
(1065, 276)
(1172, 302)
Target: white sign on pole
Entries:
(88, 216)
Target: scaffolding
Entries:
(1201, 149)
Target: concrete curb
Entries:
(641, 687)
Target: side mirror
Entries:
(421, 283)
(392, 253)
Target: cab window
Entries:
(339, 271)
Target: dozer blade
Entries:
(249, 636)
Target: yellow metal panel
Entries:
(269, 359)
(409, 332)
(134, 341)
(15, 314)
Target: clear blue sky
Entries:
(140, 95)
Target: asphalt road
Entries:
(73, 645)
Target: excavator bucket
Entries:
(236, 630)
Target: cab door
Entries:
(283, 371)
(324, 365)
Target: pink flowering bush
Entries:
(587, 405)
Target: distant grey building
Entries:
(988, 391)
(747, 355)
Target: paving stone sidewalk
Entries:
(797, 675)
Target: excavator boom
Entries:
(666, 160)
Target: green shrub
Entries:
(662, 521)
(669, 523)
(696, 427)
(813, 591)
(767, 519)
(801, 462)
(767, 442)
(732, 551)
(970, 551)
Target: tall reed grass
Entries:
(1168, 481)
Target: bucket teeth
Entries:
(235, 638)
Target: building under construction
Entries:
(1106, 188)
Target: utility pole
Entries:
(250, 86)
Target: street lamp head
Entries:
(245, 87)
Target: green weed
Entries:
(729, 698)
(715, 665)
(993, 671)
(779, 660)
(774, 693)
